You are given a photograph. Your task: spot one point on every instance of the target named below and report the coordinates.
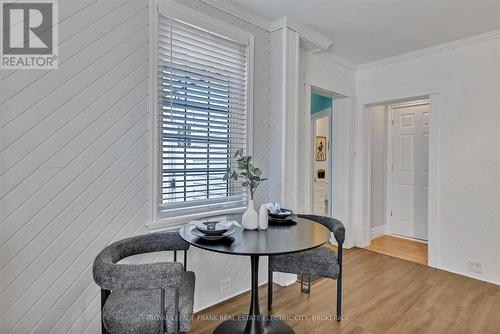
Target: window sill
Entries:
(174, 223)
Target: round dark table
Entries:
(277, 239)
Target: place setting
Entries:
(279, 215)
(213, 230)
(218, 229)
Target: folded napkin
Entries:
(273, 208)
(215, 225)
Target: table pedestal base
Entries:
(271, 326)
(254, 323)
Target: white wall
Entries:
(74, 167)
(378, 116)
(469, 147)
(283, 171)
(283, 117)
(275, 117)
(325, 73)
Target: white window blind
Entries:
(202, 117)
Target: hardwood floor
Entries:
(405, 249)
(382, 294)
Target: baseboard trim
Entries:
(378, 232)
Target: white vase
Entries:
(250, 220)
(263, 217)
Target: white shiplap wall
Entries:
(73, 172)
(73, 166)
(275, 117)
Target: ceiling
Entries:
(368, 30)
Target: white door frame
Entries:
(362, 180)
(342, 156)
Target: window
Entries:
(202, 117)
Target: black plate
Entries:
(283, 221)
(197, 232)
(211, 229)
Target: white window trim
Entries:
(170, 7)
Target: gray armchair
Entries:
(145, 298)
(321, 261)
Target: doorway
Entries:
(321, 118)
(321, 170)
(399, 179)
(338, 177)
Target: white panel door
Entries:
(410, 170)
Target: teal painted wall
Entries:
(319, 103)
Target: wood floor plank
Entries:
(382, 294)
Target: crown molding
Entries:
(278, 24)
(432, 50)
(319, 40)
(335, 59)
(240, 12)
(304, 31)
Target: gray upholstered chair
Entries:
(321, 261)
(145, 298)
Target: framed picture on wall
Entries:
(320, 148)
